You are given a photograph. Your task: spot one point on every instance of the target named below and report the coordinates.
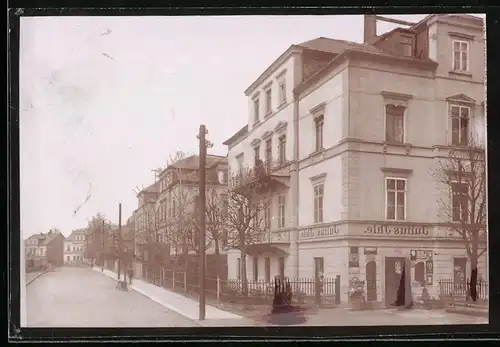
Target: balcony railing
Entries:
(264, 168)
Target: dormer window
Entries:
(407, 46)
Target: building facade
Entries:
(43, 250)
(356, 130)
(165, 234)
(74, 247)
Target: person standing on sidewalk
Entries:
(130, 274)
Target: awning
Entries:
(265, 248)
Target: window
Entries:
(240, 164)
(318, 124)
(225, 205)
(267, 269)
(460, 192)
(460, 55)
(459, 125)
(281, 211)
(407, 44)
(318, 203)
(255, 268)
(256, 106)
(353, 257)
(394, 123)
(282, 91)
(239, 268)
(281, 262)
(396, 198)
(256, 154)
(269, 100)
(269, 154)
(282, 149)
(319, 266)
(267, 215)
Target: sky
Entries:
(104, 100)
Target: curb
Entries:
(40, 274)
(470, 313)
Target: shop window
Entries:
(353, 257)
(420, 273)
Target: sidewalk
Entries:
(173, 301)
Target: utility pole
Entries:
(119, 240)
(203, 157)
(102, 246)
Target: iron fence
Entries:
(450, 288)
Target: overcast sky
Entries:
(106, 99)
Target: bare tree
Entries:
(463, 207)
(216, 221)
(248, 200)
(178, 222)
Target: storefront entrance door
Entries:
(393, 269)
(371, 281)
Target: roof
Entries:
(240, 133)
(192, 162)
(71, 237)
(325, 44)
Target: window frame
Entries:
(256, 153)
(268, 148)
(268, 92)
(281, 91)
(268, 215)
(281, 211)
(282, 149)
(256, 109)
(317, 213)
(467, 52)
(267, 269)
(255, 268)
(452, 193)
(405, 44)
(451, 118)
(386, 115)
(319, 123)
(386, 191)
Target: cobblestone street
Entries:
(78, 297)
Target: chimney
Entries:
(370, 28)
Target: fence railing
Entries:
(303, 289)
(450, 288)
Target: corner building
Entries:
(352, 131)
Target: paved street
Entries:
(80, 297)
(77, 297)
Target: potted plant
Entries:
(357, 298)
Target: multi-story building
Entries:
(44, 249)
(165, 232)
(355, 129)
(74, 247)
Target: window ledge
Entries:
(460, 73)
(268, 113)
(282, 105)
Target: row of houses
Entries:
(347, 135)
(54, 249)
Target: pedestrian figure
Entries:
(130, 273)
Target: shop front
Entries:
(373, 254)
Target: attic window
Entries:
(407, 46)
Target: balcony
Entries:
(264, 177)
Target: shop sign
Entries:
(429, 267)
(318, 232)
(383, 229)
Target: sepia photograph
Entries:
(263, 170)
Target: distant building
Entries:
(164, 202)
(74, 247)
(44, 249)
